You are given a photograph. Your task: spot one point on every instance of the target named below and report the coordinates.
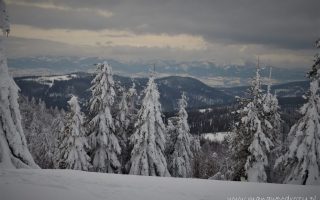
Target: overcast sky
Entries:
(281, 32)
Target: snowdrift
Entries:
(35, 184)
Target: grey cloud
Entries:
(291, 24)
(50, 18)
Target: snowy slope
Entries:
(49, 80)
(76, 185)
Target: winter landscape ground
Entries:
(76, 185)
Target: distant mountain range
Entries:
(207, 72)
(56, 90)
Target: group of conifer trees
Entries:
(124, 140)
(257, 149)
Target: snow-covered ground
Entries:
(216, 137)
(38, 184)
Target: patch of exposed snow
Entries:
(216, 137)
(205, 110)
(49, 80)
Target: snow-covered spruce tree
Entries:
(122, 123)
(197, 151)
(14, 152)
(314, 73)
(250, 145)
(125, 115)
(122, 119)
(301, 163)
(271, 111)
(73, 147)
(38, 128)
(171, 132)
(180, 160)
(103, 142)
(57, 128)
(132, 100)
(148, 140)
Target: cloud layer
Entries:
(281, 32)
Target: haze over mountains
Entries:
(206, 71)
(54, 79)
(56, 90)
